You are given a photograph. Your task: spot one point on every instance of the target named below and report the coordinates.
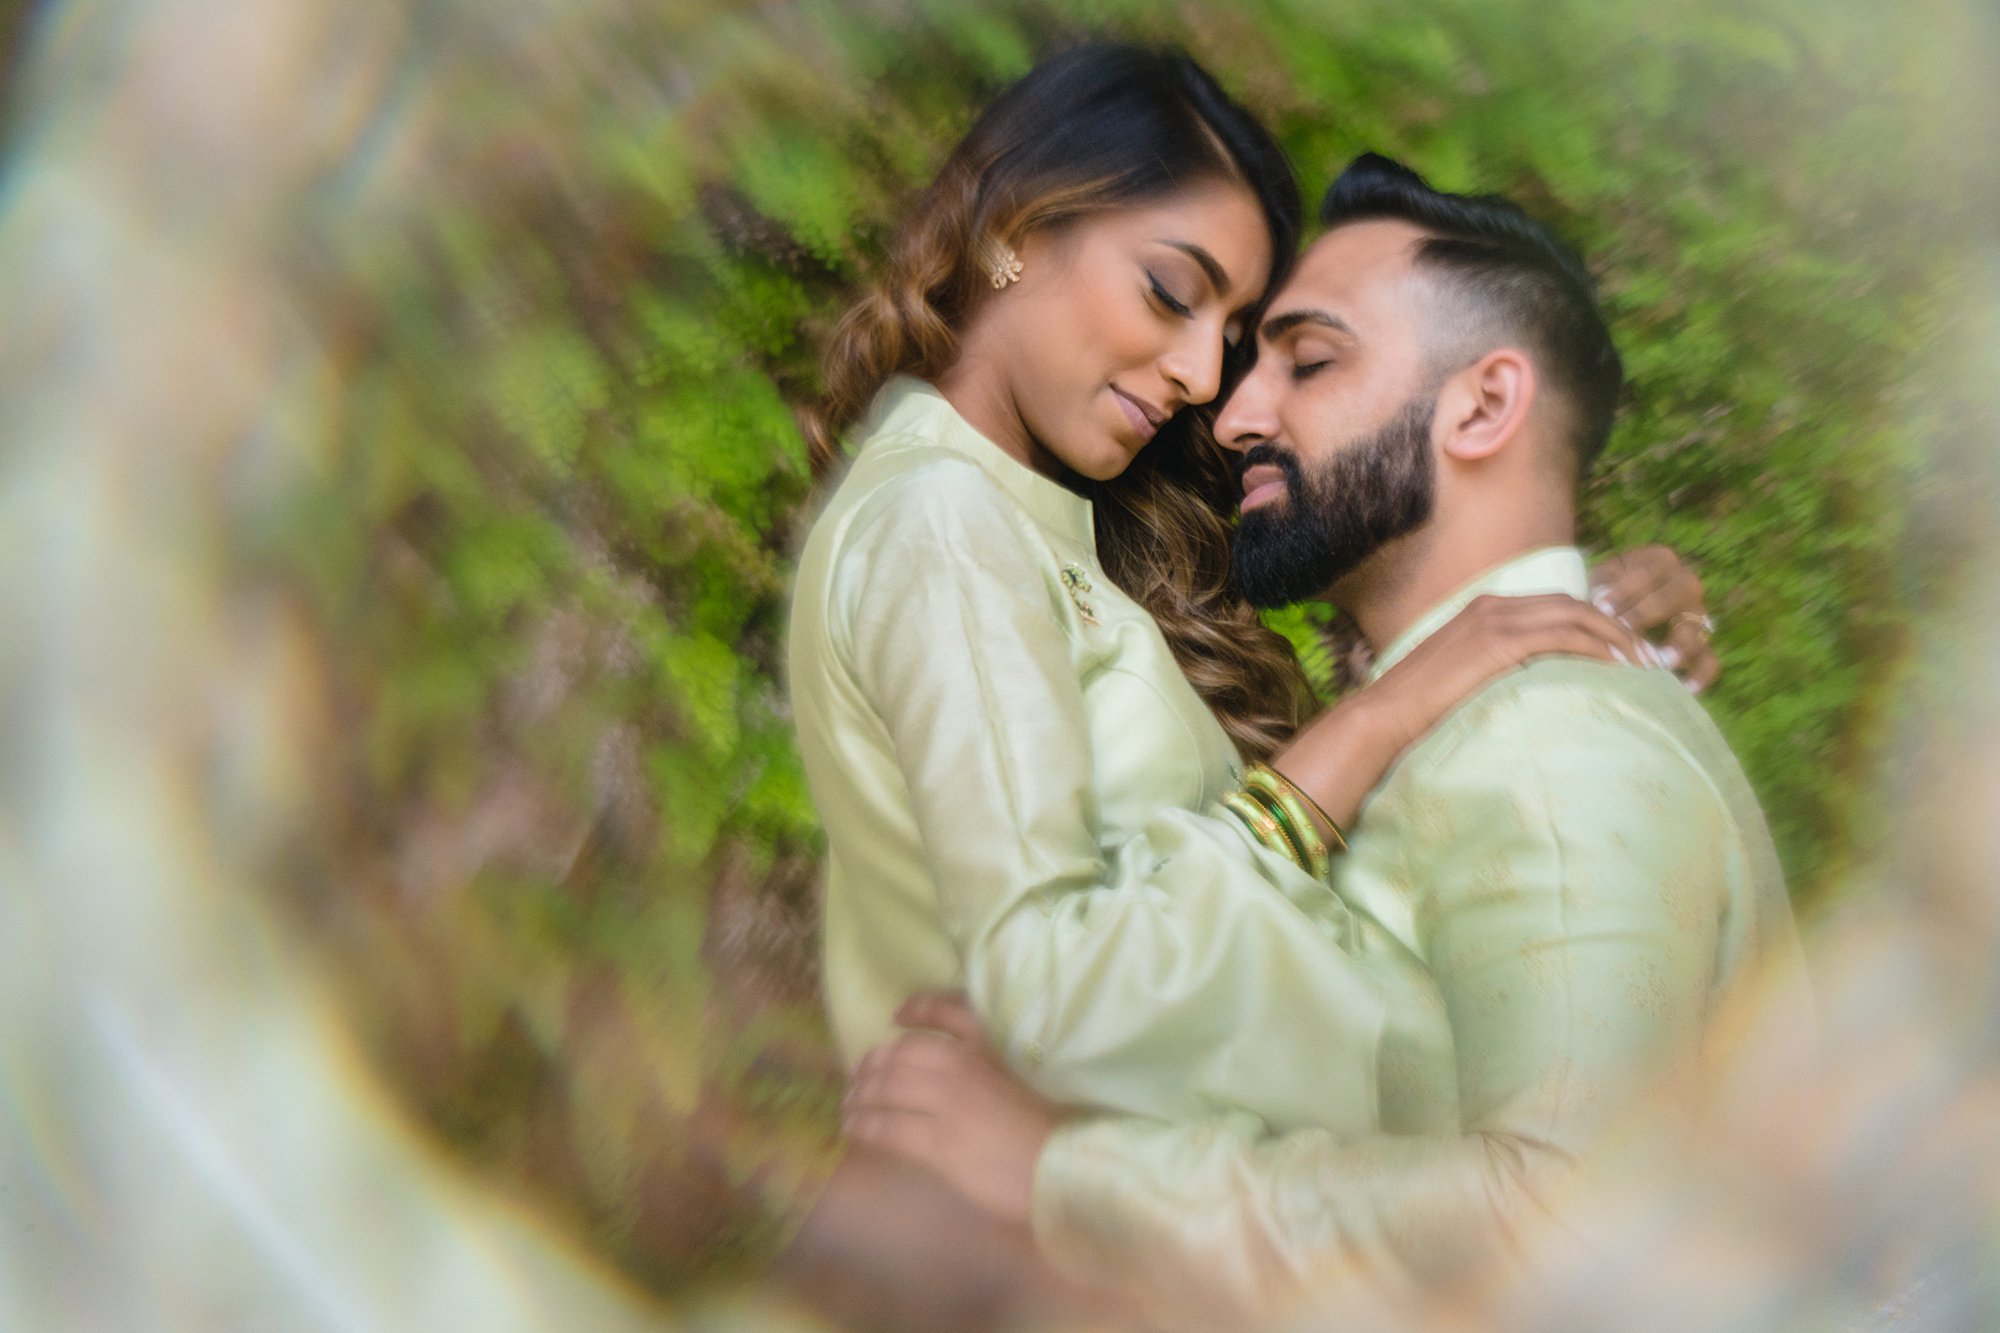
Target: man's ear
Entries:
(1483, 407)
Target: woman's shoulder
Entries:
(910, 489)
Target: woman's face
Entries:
(1117, 322)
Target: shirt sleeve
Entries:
(1569, 918)
(1160, 974)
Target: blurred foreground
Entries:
(406, 881)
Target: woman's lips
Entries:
(1261, 485)
(1141, 417)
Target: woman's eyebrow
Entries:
(1218, 277)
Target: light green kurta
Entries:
(1555, 889)
(1019, 791)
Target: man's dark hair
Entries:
(1508, 278)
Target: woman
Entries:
(1024, 695)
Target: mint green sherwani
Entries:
(1019, 793)
(1554, 891)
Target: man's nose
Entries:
(1247, 418)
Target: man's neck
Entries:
(1393, 588)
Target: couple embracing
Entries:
(1205, 993)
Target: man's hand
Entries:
(940, 1095)
(891, 1248)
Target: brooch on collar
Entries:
(1076, 583)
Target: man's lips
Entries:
(1261, 485)
(1144, 417)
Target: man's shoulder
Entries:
(1609, 777)
(1565, 718)
(1614, 693)
(1589, 770)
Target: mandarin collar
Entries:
(1549, 569)
(909, 406)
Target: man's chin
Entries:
(1269, 590)
(1270, 571)
(1255, 520)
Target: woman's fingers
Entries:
(1703, 674)
(1555, 623)
(1492, 636)
(1651, 588)
(1652, 594)
(1694, 656)
(1660, 605)
(1687, 637)
(1569, 639)
(1634, 584)
(1625, 643)
(1687, 650)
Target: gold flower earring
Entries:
(1003, 265)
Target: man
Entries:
(1559, 886)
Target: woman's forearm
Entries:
(1339, 757)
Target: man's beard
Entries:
(1361, 498)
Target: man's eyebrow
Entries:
(1277, 326)
(1218, 277)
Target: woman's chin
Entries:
(1105, 460)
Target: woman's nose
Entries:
(1194, 366)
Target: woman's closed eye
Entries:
(1167, 298)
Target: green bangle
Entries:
(1311, 852)
(1276, 796)
(1318, 860)
(1266, 828)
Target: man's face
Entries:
(1334, 420)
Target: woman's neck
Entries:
(982, 399)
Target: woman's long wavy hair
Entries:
(1093, 129)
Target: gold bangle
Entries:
(1311, 849)
(1262, 825)
(1293, 817)
(1284, 787)
(1266, 829)
(1320, 860)
(1300, 792)
(1263, 783)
